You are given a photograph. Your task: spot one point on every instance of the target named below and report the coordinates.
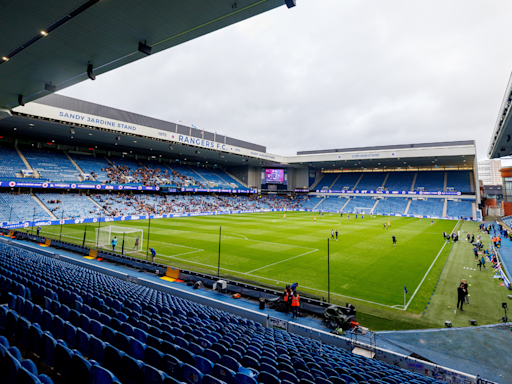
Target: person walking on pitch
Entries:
(332, 234)
(394, 240)
(114, 243)
(336, 235)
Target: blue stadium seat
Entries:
(63, 357)
(11, 366)
(48, 351)
(223, 373)
(113, 360)
(204, 365)
(209, 379)
(81, 369)
(153, 357)
(101, 375)
(132, 370)
(97, 350)
(268, 378)
(192, 375)
(172, 366)
(152, 375)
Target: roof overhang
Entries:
(501, 139)
(48, 45)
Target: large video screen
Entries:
(274, 176)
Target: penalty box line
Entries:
(153, 241)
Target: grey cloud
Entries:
(331, 73)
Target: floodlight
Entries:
(50, 87)
(146, 49)
(90, 73)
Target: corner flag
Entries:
(405, 297)
(405, 289)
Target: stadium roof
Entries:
(501, 143)
(48, 45)
(61, 120)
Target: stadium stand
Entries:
(459, 208)
(72, 205)
(359, 202)
(399, 181)
(228, 178)
(52, 165)
(96, 166)
(11, 164)
(458, 180)
(348, 180)
(371, 181)
(100, 329)
(391, 206)
(430, 181)
(311, 202)
(213, 179)
(430, 207)
(186, 175)
(23, 208)
(327, 180)
(332, 203)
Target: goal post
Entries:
(131, 237)
(363, 210)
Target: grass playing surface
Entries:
(273, 251)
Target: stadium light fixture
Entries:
(72, 131)
(5, 58)
(50, 87)
(90, 73)
(145, 49)
(44, 33)
(290, 3)
(15, 128)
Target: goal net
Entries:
(131, 238)
(363, 210)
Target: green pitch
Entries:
(266, 248)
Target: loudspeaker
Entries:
(290, 3)
(50, 87)
(448, 324)
(472, 322)
(20, 100)
(90, 73)
(145, 49)
(504, 305)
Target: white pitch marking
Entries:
(426, 274)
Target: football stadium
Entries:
(139, 250)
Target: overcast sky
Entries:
(331, 74)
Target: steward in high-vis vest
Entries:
(295, 305)
(287, 298)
